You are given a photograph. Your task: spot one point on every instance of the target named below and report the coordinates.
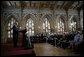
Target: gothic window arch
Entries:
(46, 26)
(81, 23)
(60, 25)
(73, 25)
(10, 26)
(30, 27)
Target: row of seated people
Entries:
(38, 39)
(59, 40)
(66, 41)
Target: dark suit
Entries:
(15, 36)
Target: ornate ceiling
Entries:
(77, 5)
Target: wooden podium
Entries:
(21, 37)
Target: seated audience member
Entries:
(80, 46)
(60, 40)
(81, 37)
(75, 42)
(64, 42)
(71, 39)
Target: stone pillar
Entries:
(57, 18)
(36, 24)
(66, 22)
(55, 24)
(52, 26)
(22, 22)
(78, 21)
(40, 26)
(4, 28)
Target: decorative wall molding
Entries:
(8, 12)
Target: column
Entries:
(66, 22)
(78, 21)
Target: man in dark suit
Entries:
(15, 35)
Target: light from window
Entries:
(30, 27)
(46, 26)
(10, 25)
(60, 26)
(73, 26)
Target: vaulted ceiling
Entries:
(77, 5)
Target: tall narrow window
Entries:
(46, 26)
(60, 25)
(73, 25)
(81, 22)
(30, 27)
(10, 25)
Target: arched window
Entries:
(30, 27)
(10, 25)
(81, 23)
(46, 26)
(60, 25)
(73, 25)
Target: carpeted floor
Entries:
(9, 50)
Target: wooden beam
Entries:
(55, 6)
(15, 4)
(81, 7)
(76, 5)
(30, 3)
(11, 4)
(71, 5)
(22, 5)
(62, 4)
